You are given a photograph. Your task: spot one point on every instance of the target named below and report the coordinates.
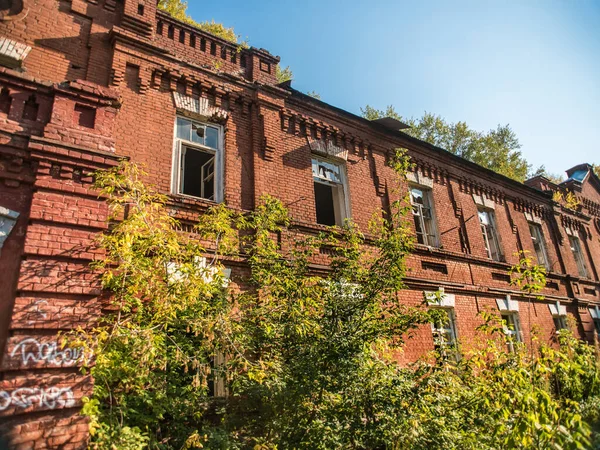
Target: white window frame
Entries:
(429, 239)
(537, 236)
(595, 313)
(493, 231)
(180, 146)
(559, 316)
(341, 211)
(443, 331)
(576, 249)
(513, 334)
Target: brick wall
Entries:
(101, 82)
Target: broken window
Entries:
(330, 192)
(578, 255)
(537, 236)
(423, 215)
(490, 235)
(198, 158)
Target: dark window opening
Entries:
(324, 204)
(223, 53)
(171, 32)
(165, 81)
(182, 36)
(213, 48)
(265, 66)
(233, 56)
(132, 75)
(85, 116)
(159, 28)
(5, 101)
(203, 44)
(30, 112)
(560, 322)
(243, 61)
(216, 380)
(141, 10)
(198, 173)
(193, 40)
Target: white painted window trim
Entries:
(507, 304)
(176, 173)
(559, 314)
(341, 164)
(483, 201)
(595, 313)
(542, 240)
(514, 333)
(494, 231)
(8, 220)
(577, 251)
(428, 193)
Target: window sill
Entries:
(192, 201)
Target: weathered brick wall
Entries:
(47, 286)
(135, 61)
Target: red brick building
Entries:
(85, 82)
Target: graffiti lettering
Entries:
(31, 350)
(37, 310)
(52, 398)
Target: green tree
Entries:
(171, 316)
(284, 74)
(178, 9)
(497, 149)
(311, 353)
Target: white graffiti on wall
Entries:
(52, 398)
(31, 350)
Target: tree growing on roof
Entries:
(498, 149)
(178, 9)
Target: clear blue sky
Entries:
(532, 64)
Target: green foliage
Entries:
(314, 94)
(284, 74)
(311, 353)
(171, 316)
(178, 9)
(497, 149)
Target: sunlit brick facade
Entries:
(84, 83)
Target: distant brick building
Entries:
(85, 82)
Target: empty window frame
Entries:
(510, 324)
(198, 160)
(331, 200)
(539, 244)
(578, 255)
(560, 322)
(444, 331)
(595, 313)
(423, 214)
(487, 220)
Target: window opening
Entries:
(510, 324)
(423, 216)
(537, 236)
(578, 254)
(490, 235)
(330, 192)
(198, 152)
